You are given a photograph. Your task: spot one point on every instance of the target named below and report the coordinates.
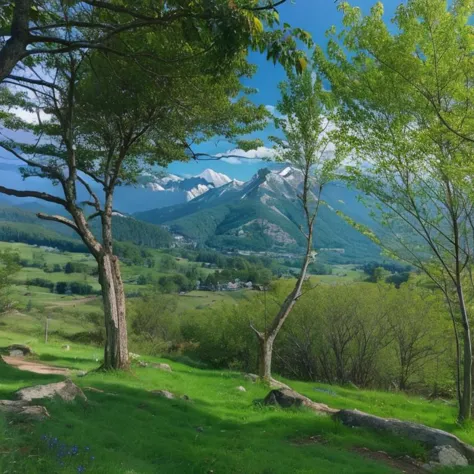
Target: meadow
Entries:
(124, 428)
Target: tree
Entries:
(31, 28)
(9, 266)
(413, 164)
(101, 129)
(304, 106)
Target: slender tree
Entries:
(415, 167)
(304, 123)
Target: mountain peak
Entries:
(213, 177)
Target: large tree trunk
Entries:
(265, 355)
(116, 343)
(15, 47)
(465, 408)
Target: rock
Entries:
(251, 378)
(185, 398)
(276, 384)
(241, 389)
(81, 373)
(23, 410)
(165, 367)
(141, 363)
(163, 393)
(287, 398)
(66, 347)
(67, 391)
(16, 353)
(430, 437)
(25, 350)
(447, 456)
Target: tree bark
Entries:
(116, 342)
(14, 49)
(265, 358)
(267, 338)
(466, 400)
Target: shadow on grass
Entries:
(130, 429)
(143, 430)
(62, 358)
(12, 379)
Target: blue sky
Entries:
(315, 16)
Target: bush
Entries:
(41, 282)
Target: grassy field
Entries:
(126, 429)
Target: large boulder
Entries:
(286, 398)
(19, 350)
(67, 391)
(447, 456)
(430, 437)
(21, 409)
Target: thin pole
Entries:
(46, 330)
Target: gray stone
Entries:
(25, 350)
(163, 393)
(164, 367)
(241, 389)
(286, 398)
(251, 378)
(66, 347)
(447, 456)
(430, 437)
(276, 384)
(141, 363)
(67, 391)
(22, 409)
(16, 353)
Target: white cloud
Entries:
(30, 117)
(232, 161)
(238, 156)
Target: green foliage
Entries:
(9, 265)
(154, 323)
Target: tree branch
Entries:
(33, 194)
(60, 219)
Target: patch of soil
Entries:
(36, 367)
(84, 300)
(404, 464)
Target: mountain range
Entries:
(265, 214)
(213, 210)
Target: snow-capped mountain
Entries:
(212, 177)
(265, 213)
(192, 187)
(161, 189)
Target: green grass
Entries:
(129, 430)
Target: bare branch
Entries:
(60, 219)
(33, 194)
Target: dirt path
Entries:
(36, 367)
(72, 302)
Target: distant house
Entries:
(248, 285)
(232, 286)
